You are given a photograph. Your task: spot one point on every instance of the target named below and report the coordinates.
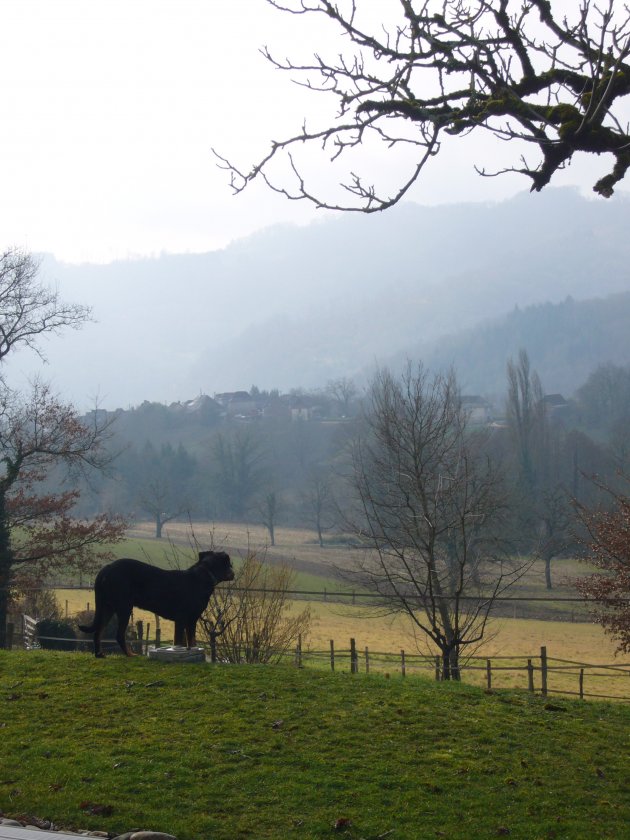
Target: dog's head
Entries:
(218, 563)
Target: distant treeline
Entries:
(276, 459)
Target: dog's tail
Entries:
(97, 620)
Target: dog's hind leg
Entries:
(101, 620)
(123, 614)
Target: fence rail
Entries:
(539, 674)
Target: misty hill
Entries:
(296, 306)
(565, 342)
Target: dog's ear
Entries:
(205, 555)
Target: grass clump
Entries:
(216, 752)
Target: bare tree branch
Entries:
(509, 67)
(29, 310)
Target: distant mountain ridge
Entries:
(297, 306)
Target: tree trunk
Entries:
(6, 563)
(446, 665)
(320, 535)
(454, 658)
(548, 572)
(158, 526)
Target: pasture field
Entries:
(321, 567)
(582, 641)
(578, 641)
(223, 752)
(518, 639)
(317, 569)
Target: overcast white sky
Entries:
(110, 109)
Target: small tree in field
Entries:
(251, 617)
(608, 546)
(38, 532)
(39, 435)
(431, 511)
(268, 511)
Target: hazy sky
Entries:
(110, 110)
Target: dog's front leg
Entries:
(180, 633)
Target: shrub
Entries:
(251, 618)
(39, 603)
(53, 632)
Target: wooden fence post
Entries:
(489, 674)
(158, 637)
(543, 670)
(403, 669)
(530, 676)
(146, 639)
(367, 661)
(332, 655)
(354, 662)
(581, 683)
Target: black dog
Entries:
(180, 596)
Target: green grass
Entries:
(227, 752)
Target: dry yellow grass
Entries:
(506, 637)
(518, 639)
(297, 545)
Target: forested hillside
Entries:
(297, 306)
(565, 341)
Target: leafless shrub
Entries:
(250, 618)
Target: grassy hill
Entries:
(216, 752)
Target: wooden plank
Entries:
(10, 832)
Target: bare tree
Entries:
(268, 510)
(430, 509)
(541, 497)
(343, 391)
(161, 503)
(250, 618)
(164, 485)
(607, 544)
(238, 466)
(40, 434)
(38, 532)
(318, 503)
(27, 308)
(516, 69)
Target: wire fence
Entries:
(569, 608)
(537, 674)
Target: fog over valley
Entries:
(292, 307)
